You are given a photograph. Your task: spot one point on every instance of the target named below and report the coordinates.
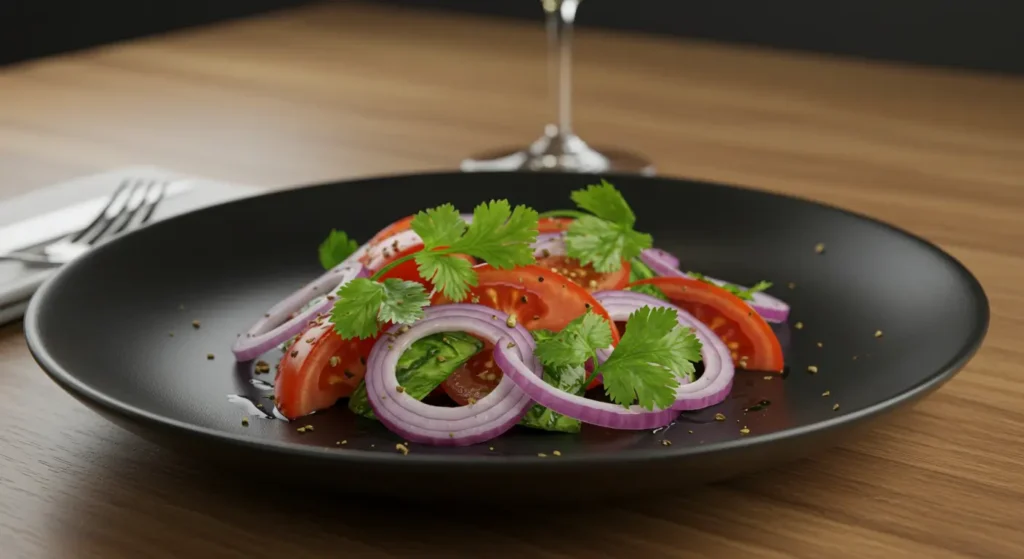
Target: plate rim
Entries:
(80, 390)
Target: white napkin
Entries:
(19, 281)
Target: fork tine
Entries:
(136, 199)
(160, 189)
(102, 216)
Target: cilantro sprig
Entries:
(645, 366)
(336, 248)
(745, 293)
(605, 236)
(499, 234)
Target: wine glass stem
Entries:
(560, 17)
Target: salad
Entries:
(451, 329)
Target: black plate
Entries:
(101, 329)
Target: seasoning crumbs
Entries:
(835, 407)
(666, 442)
(490, 448)
(819, 344)
(812, 369)
(768, 377)
(511, 322)
(819, 248)
(209, 356)
(826, 394)
(334, 361)
(541, 455)
(245, 422)
(262, 367)
(557, 452)
(400, 389)
(195, 324)
(719, 417)
(402, 448)
(744, 431)
(799, 326)
(878, 333)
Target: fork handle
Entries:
(26, 258)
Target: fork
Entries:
(129, 207)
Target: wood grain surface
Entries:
(346, 90)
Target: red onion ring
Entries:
(770, 308)
(602, 414)
(283, 321)
(549, 244)
(483, 420)
(714, 385)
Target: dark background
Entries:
(977, 34)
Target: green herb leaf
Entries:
(450, 275)
(606, 202)
(566, 379)
(649, 289)
(745, 293)
(650, 357)
(604, 244)
(423, 367)
(500, 235)
(336, 248)
(638, 270)
(364, 304)
(576, 343)
(440, 226)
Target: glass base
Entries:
(561, 152)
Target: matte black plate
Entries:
(102, 329)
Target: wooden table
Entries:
(348, 90)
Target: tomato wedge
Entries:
(537, 297)
(553, 224)
(749, 338)
(403, 224)
(318, 369)
(409, 270)
(586, 276)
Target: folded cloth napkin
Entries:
(78, 201)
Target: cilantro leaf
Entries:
(638, 270)
(745, 293)
(606, 202)
(440, 226)
(363, 304)
(451, 275)
(403, 301)
(500, 235)
(576, 343)
(649, 289)
(604, 244)
(650, 355)
(336, 248)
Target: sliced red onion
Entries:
(381, 253)
(770, 308)
(549, 244)
(483, 420)
(666, 259)
(589, 411)
(284, 320)
(714, 385)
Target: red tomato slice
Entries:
(585, 276)
(749, 338)
(553, 224)
(403, 224)
(409, 270)
(318, 369)
(537, 297)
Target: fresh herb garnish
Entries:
(576, 343)
(649, 289)
(644, 367)
(604, 237)
(499, 234)
(336, 248)
(745, 293)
